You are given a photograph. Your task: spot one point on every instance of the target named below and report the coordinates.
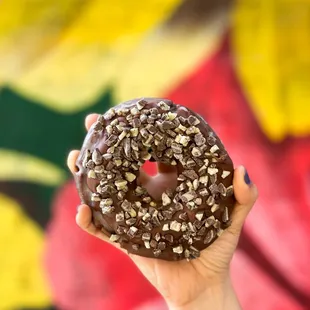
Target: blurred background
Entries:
(244, 65)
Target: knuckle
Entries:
(234, 230)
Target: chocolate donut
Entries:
(186, 219)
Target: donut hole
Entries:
(163, 177)
(150, 167)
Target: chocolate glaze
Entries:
(192, 221)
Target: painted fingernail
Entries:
(247, 179)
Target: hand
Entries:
(201, 283)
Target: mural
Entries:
(243, 65)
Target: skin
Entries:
(203, 283)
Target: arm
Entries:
(221, 297)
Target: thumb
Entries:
(246, 194)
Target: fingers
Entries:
(71, 160)
(73, 155)
(90, 119)
(84, 221)
(144, 178)
(246, 194)
(84, 215)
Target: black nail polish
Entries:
(247, 179)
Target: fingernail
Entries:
(247, 179)
(78, 208)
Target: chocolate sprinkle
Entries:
(169, 238)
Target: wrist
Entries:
(217, 297)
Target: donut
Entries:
(189, 216)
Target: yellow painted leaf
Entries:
(28, 30)
(271, 41)
(91, 52)
(22, 279)
(16, 166)
(166, 57)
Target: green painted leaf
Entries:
(31, 128)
